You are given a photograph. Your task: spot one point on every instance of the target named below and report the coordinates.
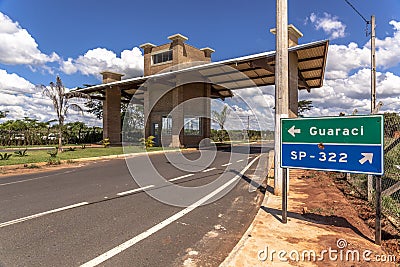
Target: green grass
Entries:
(37, 156)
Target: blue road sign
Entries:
(346, 158)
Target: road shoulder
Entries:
(319, 216)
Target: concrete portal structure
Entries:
(167, 119)
(163, 89)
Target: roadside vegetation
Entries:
(31, 132)
(53, 157)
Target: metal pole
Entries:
(281, 86)
(284, 196)
(378, 226)
(373, 95)
(373, 65)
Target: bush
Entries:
(53, 153)
(105, 142)
(5, 156)
(219, 135)
(54, 161)
(148, 142)
(21, 153)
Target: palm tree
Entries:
(220, 117)
(62, 99)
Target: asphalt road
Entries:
(97, 214)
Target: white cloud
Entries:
(353, 92)
(12, 83)
(22, 99)
(17, 46)
(130, 63)
(342, 59)
(388, 49)
(255, 104)
(329, 24)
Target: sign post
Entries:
(378, 215)
(284, 194)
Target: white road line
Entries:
(227, 164)
(208, 170)
(42, 214)
(37, 178)
(181, 177)
(135, 190)
(240, 160)
(127, 244)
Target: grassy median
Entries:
(36, 156)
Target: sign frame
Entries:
(377, 141)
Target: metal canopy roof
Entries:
(256, 70)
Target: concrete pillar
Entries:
(293, 85)
(294, 35)
(291, 106)
(206, 123)
(207, 53)
(281, 93)
(178, 48)
(112, 109)
(146, 111)
(177, 117)
(147, 48)
(293, 39)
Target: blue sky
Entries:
(41, 39)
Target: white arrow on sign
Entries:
(294, 131)
(366, 157)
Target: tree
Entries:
(135, 120)
(220, 117)
(3, 114)
(62, 103)
(304, 105)
(95, 107)
(134, 116)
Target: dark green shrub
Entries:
(148, 142)
(21, 153)
(54, 161)
(53, 153)
(5, 156)
(105, 142)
